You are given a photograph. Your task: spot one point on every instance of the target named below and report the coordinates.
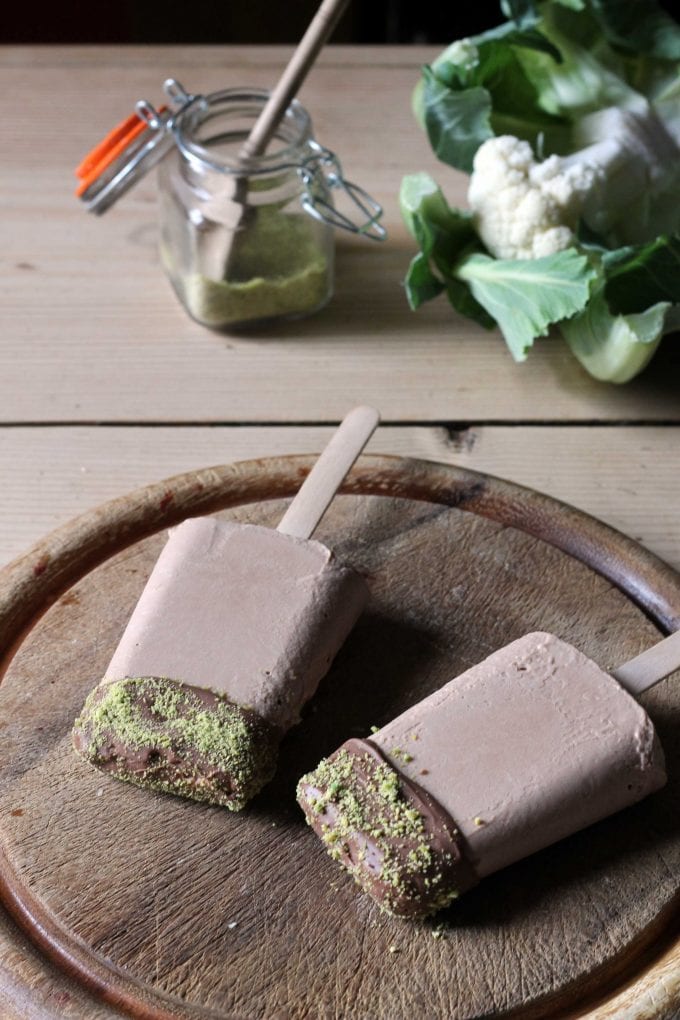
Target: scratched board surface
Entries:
(171, 908)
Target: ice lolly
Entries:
(234, 630)
(529, 746)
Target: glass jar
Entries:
(237, 243)
(244, 240)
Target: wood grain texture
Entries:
(626, 476)
(91, 330)
(454, 574)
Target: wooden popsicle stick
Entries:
(323, 481)
(219, 249)
(639, 674)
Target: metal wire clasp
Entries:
(131, 149)
(325, 163)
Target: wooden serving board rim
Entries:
(30, 584)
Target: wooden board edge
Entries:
(30, 583)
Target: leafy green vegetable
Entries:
(588, 239)
(640, 276)
(481, 89)
(445, 236)
(525, 296)
(639, 27)
(615, 348)
(457, 122)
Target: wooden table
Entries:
(107, 385)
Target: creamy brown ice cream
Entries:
(251, 615)
(532, 744)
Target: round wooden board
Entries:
(166, 908)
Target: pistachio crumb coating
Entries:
(176, 738)
(393, 838)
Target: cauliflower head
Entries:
(524, 209)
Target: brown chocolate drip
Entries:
(412, 861)
(176, 738)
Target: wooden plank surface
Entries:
(92, 332)
(627, 476)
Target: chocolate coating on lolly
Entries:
(176, 738)
(396, 840)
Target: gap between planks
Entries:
(627, 476)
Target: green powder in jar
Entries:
(276, 269)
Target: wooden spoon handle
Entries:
(320, 28)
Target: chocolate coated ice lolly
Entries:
(234, 630)
(529, 746)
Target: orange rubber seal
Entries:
(109, 149)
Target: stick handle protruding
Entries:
(323, 481)
(647, 669)
(320, 28)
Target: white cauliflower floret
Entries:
(523, 209)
